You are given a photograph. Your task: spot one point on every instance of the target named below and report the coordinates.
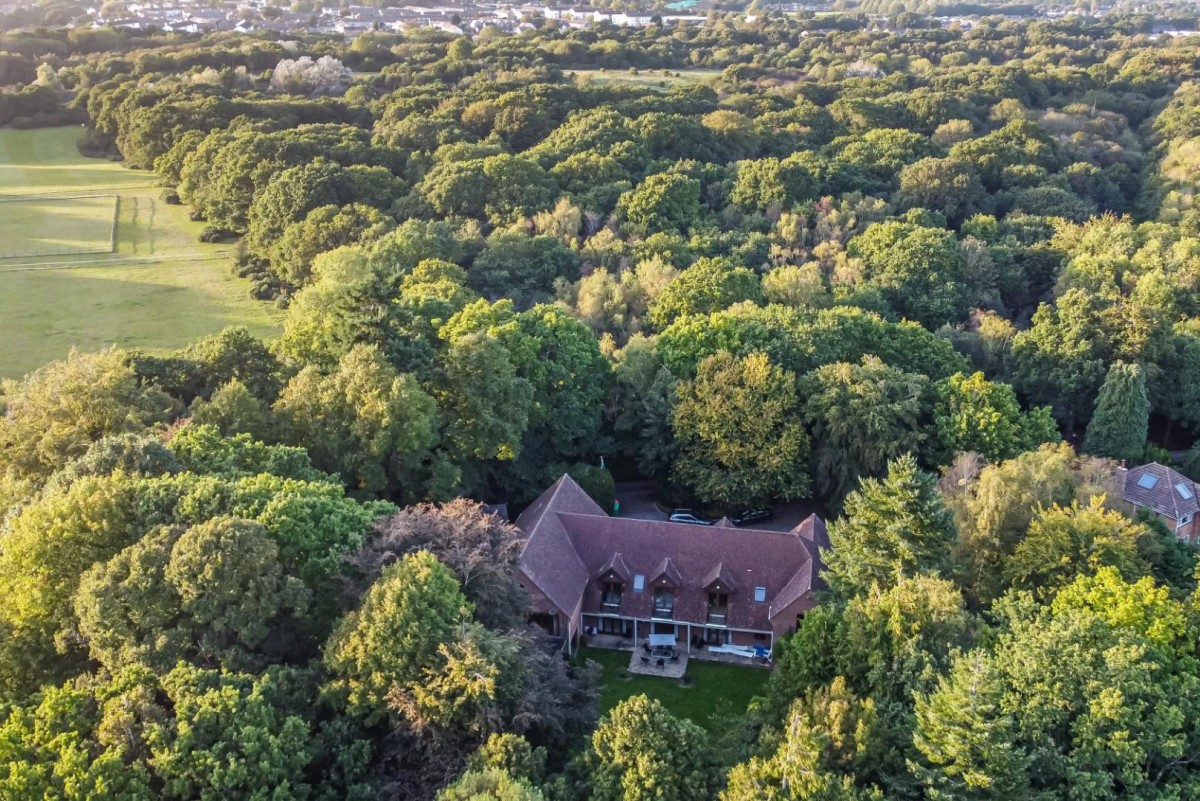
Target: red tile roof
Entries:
(571, 541)
(615, 566)
(548, 558)
(720, 578)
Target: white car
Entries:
(687, 516)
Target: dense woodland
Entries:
(939, 281)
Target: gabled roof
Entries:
(720, 577)
(792, 591)
(616, 565)
(572, 544)
(813, 529)
(1162, 490)
(666, 570)
(548, 559)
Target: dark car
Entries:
(688, 516)
(752, 517)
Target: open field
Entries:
(661, 80)
(715, 687)
(56, 225)
(158, 288)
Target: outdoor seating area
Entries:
(755, 656)
(658, 660)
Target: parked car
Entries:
(688, 516)
(751, 517)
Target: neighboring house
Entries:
(632, 578)
(1170, 495)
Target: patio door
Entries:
(716, 636)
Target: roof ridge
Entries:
(740, 531)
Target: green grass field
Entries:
(55, 226)
(715, 687)
(158, 289)
(659, 80)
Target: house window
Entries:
(639, 583)
(610, 599)
(610, 625)
(1186, 519)
(718, 606)
(760, 595)
(760, 637)
(664, 602)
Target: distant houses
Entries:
(193, 16)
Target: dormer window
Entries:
(664, 602)
(718, 608)
(610, 597)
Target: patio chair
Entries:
(661, 663)
(675, 657)
(645, 660)
(646, 647)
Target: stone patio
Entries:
(669, 670)
(614, 642)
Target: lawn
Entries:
(715, 687)
(46, 160)
(54, 226)
(158, 289)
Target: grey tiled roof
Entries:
(1162, 490)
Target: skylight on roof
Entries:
(1184, 491)
(639, 583)
(760, 595)
(1147, 481)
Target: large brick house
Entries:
(632, 578)
(1168, 494)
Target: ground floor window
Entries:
(716, 636)
(663, 628)
(612, 625)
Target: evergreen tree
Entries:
(861, 416)
(1118, 428)
(893, 527)
(966, 741)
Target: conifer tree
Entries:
(893, 527)
(1118, 427)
